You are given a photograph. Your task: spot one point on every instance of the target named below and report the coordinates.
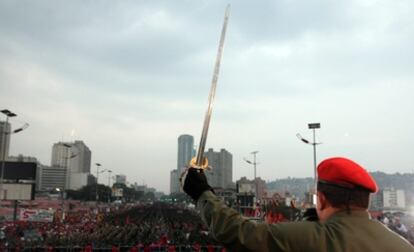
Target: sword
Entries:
(199, 161)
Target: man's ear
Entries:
(322, 202)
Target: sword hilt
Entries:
(203, 165)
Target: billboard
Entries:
(17, 192)
(38, 215)
(117, 192)
(19, 170)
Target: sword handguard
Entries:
(204, 164)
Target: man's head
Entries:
(342, 184)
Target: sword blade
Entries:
(203, 139)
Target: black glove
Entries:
(310, 214)
(195, 183)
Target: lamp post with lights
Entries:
(254, 163)
(6, 132)
(109, 185)
(68, 171)
(313, 127)
(98, 165)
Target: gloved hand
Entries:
(195, 183)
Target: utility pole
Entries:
(254, 163)
(313, 127)
(97, 178)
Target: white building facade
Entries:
(73, 158)
(51, 178)
(221, 174)
(393, 199)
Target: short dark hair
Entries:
(343, 197)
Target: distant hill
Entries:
(295, 186)
(403, 181)
(298, 186)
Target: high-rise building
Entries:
(388, 199)
(79, 180)
(51, 177)
(393, 198)
(221, 174)
(73, 157)
(4, 139)
(174, 182)
(185, 151)
(82, 160)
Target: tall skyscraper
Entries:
(4, 139)
(221, 174)
(73, 157)
(82, 160)
(185, 154)
(174, 182)
(185, 151)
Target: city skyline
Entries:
(129, 77)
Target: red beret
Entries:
(346, 173)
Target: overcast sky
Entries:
(128, 77)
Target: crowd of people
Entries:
(157, 226)
(146, 227)
(399, 223)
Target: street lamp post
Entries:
(60, 191)
(109, 178)
(68, 173)
(109, 185)
(313, 127)
(97, 177)
(8, 114)
(68, 170)
(99, 172)
(254, 163)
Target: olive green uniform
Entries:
(342, 232)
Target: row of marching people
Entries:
(158, 225)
